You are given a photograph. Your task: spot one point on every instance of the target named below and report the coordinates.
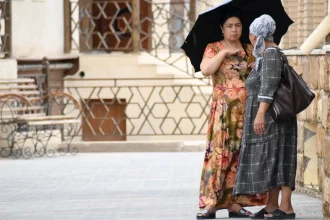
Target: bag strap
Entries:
(284, 59)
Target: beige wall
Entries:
(125, 66)
(8, 69)
(38, 25)
(115, 65)
(307, 15)
(314, 127)
(37, 28)
(202, 7)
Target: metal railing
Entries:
(157, 28)
(5, 28)
(117, 108)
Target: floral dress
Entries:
(224, 134)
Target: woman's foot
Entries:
(280, 214)
(271, 208)
(207, 213)
(259, 215)
(263, 212)
(236, 211)
(287, 209)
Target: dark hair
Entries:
(230, 14)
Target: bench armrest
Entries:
(56, 95)
(11, 97)
(11, 106)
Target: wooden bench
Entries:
(24, 122)
(24, 87)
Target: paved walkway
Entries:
(111, 186)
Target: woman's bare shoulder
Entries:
(217, 45)
(212, 49)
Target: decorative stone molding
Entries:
(314, 128)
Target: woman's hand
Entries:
(251, 65)
(259, 123)
(232, 52)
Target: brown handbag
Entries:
(292, 96)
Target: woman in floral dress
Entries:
(228, 63)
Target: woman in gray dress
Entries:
(268, 157)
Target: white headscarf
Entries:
(263, 28)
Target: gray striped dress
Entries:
(269, 160)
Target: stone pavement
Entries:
(111, 186)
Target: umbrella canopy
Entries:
(207, 27)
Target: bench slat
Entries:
(51, 122)
(22, 93)
(29, 108)
(23, 80)
(42, 118)
(9, 116)
(19, 87)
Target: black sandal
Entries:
(279, 214)
(205, 214)
(259, 215)
(242, 213)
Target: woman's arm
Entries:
(212, 60)
(270, 78)
(210, 65)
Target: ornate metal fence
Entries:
(114, 109)
(154, 27)
(5, 28)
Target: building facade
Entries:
(122, 61)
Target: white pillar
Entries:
(318, 35)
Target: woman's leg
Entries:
(234, 207)
(271, 205)
(285, 205)
(272, 202)
(247, 200)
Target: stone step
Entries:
(138, 146)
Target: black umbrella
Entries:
(207, 27)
